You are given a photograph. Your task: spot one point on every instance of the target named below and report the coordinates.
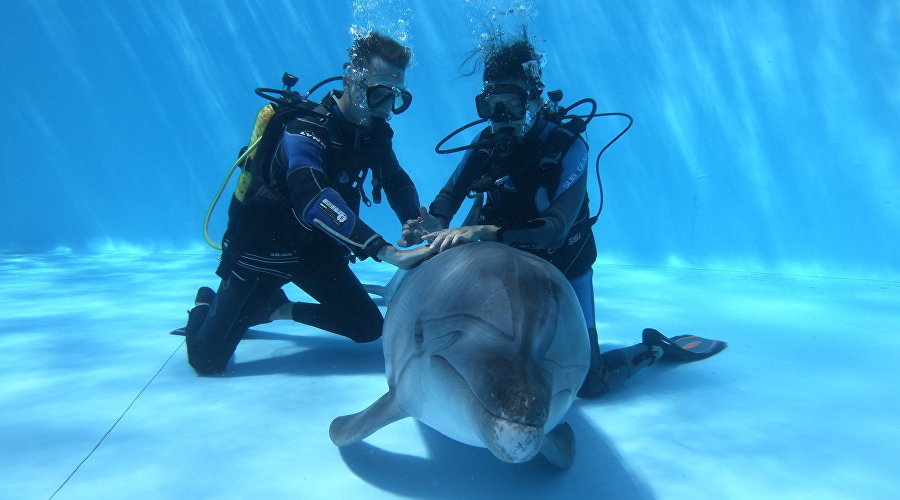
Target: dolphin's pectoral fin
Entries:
(559, 446)
(354, 428)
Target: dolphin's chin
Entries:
(511, 441)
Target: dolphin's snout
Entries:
(521, 404)
(514, 431)
(507, 388)
(513, 442)
(513, 401)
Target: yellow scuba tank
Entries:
(295, 104)
(262, 119)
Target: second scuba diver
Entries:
(533, 173)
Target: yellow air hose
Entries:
(212, 206)
(262, 119)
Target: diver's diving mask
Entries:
(377, 89)
(380, 96)
(502, 103)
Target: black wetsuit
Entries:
(302, 227)
(541, 207)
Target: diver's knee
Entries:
(204, 359)
(367, 334)
(368, 329)
(207, 365)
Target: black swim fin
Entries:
(683, 348)
(196, 315)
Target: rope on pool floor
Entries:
(118, 419)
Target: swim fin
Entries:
(683, 348)
(197, 314)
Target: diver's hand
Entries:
(414, 229)
(405, 259)
(449, 238)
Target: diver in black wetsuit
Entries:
(298, 220)
(532, 172)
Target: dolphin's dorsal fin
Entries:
(559, 446)
(386, 292)
(354, 428)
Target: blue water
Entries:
(767, 133)
(754, 200)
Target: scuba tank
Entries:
(286, 104)
(262, 120)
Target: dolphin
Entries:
(487, 345)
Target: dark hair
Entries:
(375, 44)
(507, 59)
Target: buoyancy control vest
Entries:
(260, 212)
(538, 165)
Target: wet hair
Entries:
(509, 61)
(376, 44)
(515, 59)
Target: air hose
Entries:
(212, 206)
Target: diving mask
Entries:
(379, 97)
(502, 103)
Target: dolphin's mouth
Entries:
(510, 439)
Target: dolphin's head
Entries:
(493, 343)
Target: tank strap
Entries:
(555, 148)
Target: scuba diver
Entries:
(531, 166)
(293, 216)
